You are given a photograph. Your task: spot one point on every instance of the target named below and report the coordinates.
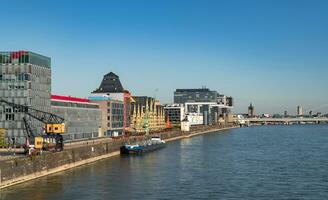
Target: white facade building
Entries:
(299, 110)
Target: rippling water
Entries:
(268, 162)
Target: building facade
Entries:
(112, 89)
(175, 114)
(229, 101)
(299, 110)
(206, 113)
(25, 78)
(147, 114)
(182, 96)
(112, 115)
(251, 110)
(203, 106)
(82, 117)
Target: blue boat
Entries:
(146, 146)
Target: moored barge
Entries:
(146, 146)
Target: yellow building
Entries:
(147, 114)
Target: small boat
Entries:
(146, 146)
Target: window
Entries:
(27, 77)
(25, 58)
(10, 117)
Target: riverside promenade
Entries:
(19, 170)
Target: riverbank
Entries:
(20, 170)
(199, 133)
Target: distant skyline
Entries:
(271, 53)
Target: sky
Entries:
(273, 53)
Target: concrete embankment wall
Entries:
(27, 168)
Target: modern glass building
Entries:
(24, 57)
(194, 95)
(25, 78)
(112, 112)
(82, 118)
(175, 114)
(203, 106)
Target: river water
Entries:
(267, 162)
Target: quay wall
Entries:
(22, 169)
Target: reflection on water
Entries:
(270, 162)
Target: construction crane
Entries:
(54, 126)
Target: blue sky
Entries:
(272, 53)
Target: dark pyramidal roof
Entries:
(110, 84)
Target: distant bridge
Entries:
(287, 120)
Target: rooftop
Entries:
(193, 90)
(110, 84)
(24, 57)
(69, 98)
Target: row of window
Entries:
(115, 105)
(15, 93)
(12, 87)
(117, 112)
(115, 124)
(12, 58)
(15, 110)
(15, 77)
(10, 117)
(115, 118)
(173, 112)
(73, 105)
(24, 57)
